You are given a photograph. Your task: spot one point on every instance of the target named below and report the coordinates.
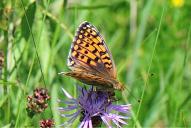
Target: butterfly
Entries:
(90, 60)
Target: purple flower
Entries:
(94, 107)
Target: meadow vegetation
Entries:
(149, 41)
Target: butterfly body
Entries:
(90, 60)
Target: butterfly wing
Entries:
(89, 53)
(90, 79)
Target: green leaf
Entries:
(27, 20)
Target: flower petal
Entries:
(82, 124)
(73, 118)
(105, 121)
(70, 115)
(121, 121)
(85, 123)
(120, 108)
(116, 123)
(90, 124)
(70, 101)
(68, 108)
(117, 116)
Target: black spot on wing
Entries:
(107, 63)
(87, 45)
(86, 52)
(77, 55)
(82, 57)
(100, 43)
(96, 59)
(94, 51)
(106, 58)
(102, 53)
(89, 60)
(88, 35)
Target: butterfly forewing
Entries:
(90, 53)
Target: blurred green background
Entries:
(149, 41)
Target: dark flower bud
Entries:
(46, 123)
(38, 102)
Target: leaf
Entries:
(29, 17)
(65, 4)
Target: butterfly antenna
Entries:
(138, 100)
(139, 78)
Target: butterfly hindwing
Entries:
(90, 53)
(90, 79)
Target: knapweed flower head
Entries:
(94, 108)
(46, 123)
(38, 102)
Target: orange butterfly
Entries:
(90, 60)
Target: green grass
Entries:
(153, 57)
